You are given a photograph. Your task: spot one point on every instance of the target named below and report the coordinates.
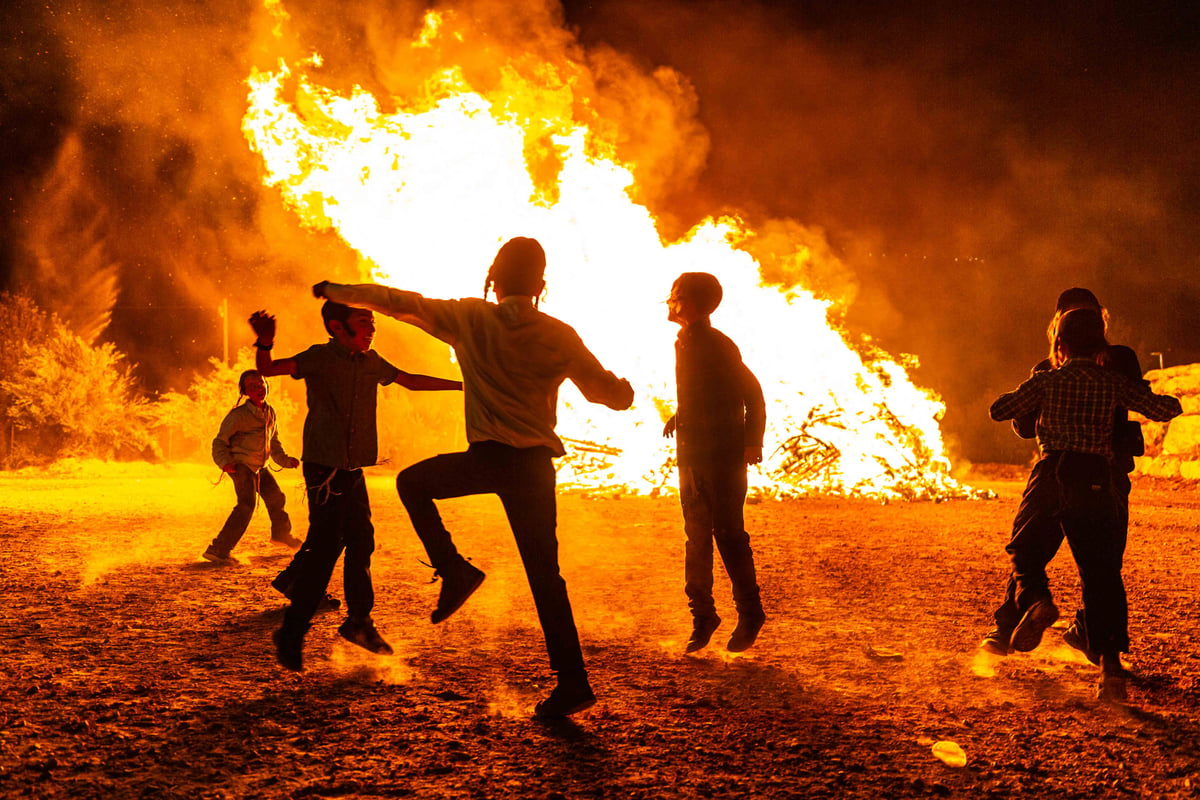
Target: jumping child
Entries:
(341, 379)
(513, 359)
(719, 422)
(1075, 404)
(248, 435)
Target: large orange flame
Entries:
(427, 193)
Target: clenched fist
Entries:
(264, 327)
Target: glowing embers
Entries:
(427, 193)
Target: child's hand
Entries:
(319, 289)
(669, 428)
(292, 462)
(231, 467)
(264, 326)
(753, 455)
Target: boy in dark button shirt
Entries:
(720, 421)
(1075, 404)
(341, 379)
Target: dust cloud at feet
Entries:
(133, 668)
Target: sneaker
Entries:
(1112, 687)
(365, 636)
(217, 557)
(746, 632)
(289, 650)
(1028, 633)
(1072, 637)
(702, 630)
(996, 642)
(458, 583)
(287, 540)
(283, 584)
(570, 696)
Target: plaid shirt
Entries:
(1075, 405)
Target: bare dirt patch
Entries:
(132, 668)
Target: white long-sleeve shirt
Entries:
(513, 359)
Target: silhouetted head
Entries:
(1077, 298)
(352, 327)
(1081, 333)
(694, 296)
(518, 269)
(1071, 300)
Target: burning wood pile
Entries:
(1173, 449)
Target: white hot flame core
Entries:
(426, 195)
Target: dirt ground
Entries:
(132, 668)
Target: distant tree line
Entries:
(63, 396)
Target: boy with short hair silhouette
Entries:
(1075, 404)
(513, 359)
(341, 379)
(719, 425)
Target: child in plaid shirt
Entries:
(1075, 405)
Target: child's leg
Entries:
(729, 530)
(274, 500)
(358, 537)
(1037, 536)
(438, 478)
(695, 501)
(323, 547)
(239, 517)
(1092, 524)
(1121, 488)
(530, 503)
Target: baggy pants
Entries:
(712, 496)
(339, 518)
(1077, 497)
(246, 484)
(524, 480)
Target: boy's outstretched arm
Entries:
(427, 383)
(1024, 400)
(1158, 407)
(596, 383)
(264, 328)
(395, 303)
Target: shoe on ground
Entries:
(1073, 638)
(458, 583)
(746, 632)
(702, 631)
(569, 697)
(289, 650)
(1028, 633)
(217, 557)
(365, 636)
(287, 540)
(283, 584)
(329, 603)
(996, 642)
(1112, 687)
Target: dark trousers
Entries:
(524, 480)
(1083, 499)
(339, 518)
(246, 484)
(712, 495)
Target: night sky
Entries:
(965, 161)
